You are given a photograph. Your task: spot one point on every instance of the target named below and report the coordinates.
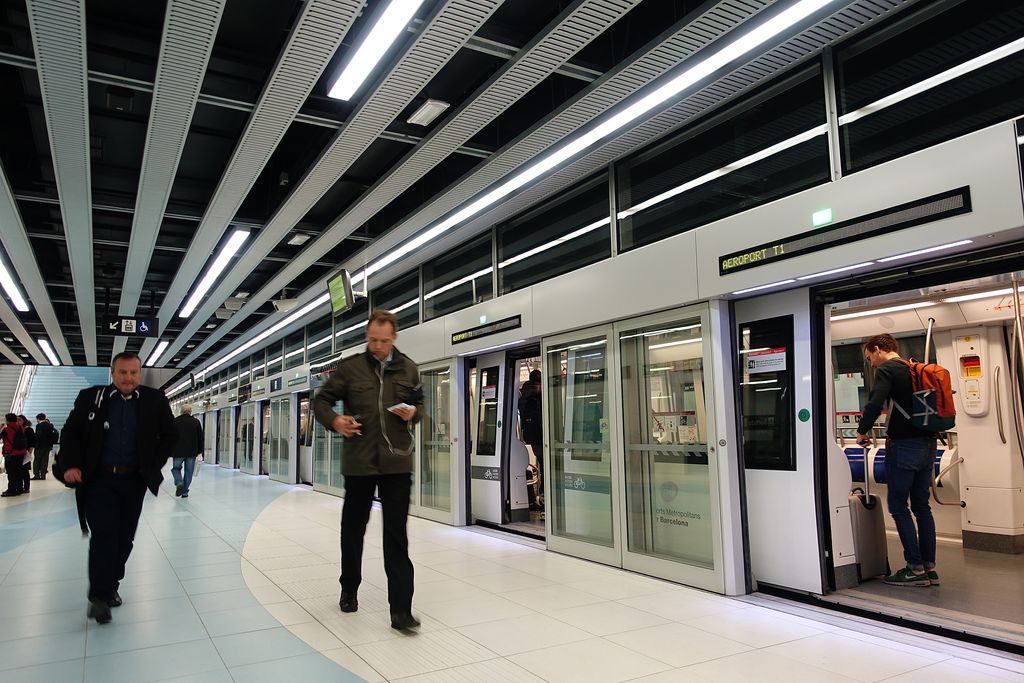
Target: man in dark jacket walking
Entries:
(189, 447)
(116, 441)
(382, 398)
(46, 438)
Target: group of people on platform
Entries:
(26, 451)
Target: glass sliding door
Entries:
(434, 463)
(581, 500)
(669, 469)
(280, 410)
(327, 448)
(224, 437)
(209, 434)
(246, 437)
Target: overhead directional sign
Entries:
(130, 326)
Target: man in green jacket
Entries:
(382, 399)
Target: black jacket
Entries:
(892, 382)
(386, 444)
(190, 437)
(155, 433)
(46, 436)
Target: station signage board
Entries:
(487, 330)
(130, 326)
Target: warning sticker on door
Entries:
(766, 360)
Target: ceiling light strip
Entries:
(280, 325)
(726, 170)
(234, 243)
(919, 252)
(389, 26)
(44, 344)
(935, 81)
(11, 287)
(882, 311)
(844, 269)
(157, 352)
(734, 50)
(981, 295)
(453, 285)
(554, 243)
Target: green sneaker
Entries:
(933, 577)
(906, 577)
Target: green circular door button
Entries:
(804, 415)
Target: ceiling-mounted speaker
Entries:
(223, 313)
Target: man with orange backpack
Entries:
(15, 448)
(909, 456)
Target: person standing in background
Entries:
(26, 463)
(189, 447)
(14, 447)
(46, 438)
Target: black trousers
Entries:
(394, 490)
(15, 473)
(113, 504)
(40, 463)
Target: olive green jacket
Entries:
(366, 391)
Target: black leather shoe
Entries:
(115, 600)
(178, 489)
(10, 494)
(348, 602)
(99, 610)
(404, 622)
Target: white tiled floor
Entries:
(239, 583)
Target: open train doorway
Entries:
(505, 449)
(972, 327)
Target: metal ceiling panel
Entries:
(844, 20)
(58, 39)
(9, 317)
(10, 355)
(314, 39)
(570, 32)
(190, 28)
(23, 260)
(439, 39)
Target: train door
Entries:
(436, 470)
(280, 437)
(245, 436)
(773, 360)
(209, 436)
(972, 328)
(304, 429)
(503, 467)
(224, 439)
(264, 467)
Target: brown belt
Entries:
(120, 469)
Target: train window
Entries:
(487, 430)
(350, 325)
(561, 235)
(318, 339)
(694, 179)
(766, 393)
(401, 297)
(294, 347)
(259, 364)
(458, 279)
(927, 43)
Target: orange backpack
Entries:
(932, 408)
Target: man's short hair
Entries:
(186, 409)
(41, 416)
(10, 417)
(885, 342)
(383, 316)
(124, 355)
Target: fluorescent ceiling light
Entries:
(234, 243)
(770, 389)
(353, 328)
(298, 240)
(880, 311)
(826, 273)
(675, 343)
(313, 345)
(726, 170)
(671, 89)
(453, 285)
(378, 41)
(929, 250)
(427, 112)
(655, 333)
(1020, 140)
(936, 80)
(7, 280)
(759, 381)
(767, 286)
(981, 295)
(294, 353)
(554, 243)
(406, 305)
(44, 344)
(157, 352)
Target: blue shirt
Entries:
(119, 430)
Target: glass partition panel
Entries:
(580, 488)
(294, 350)
(321, 455)
(279, 409)
(246, 435)
(224, 437)
(435, 440)
(401, 297)
(318, 339)
(668, 488)
(209, 432)
(458, 279)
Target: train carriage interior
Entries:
(971, 327)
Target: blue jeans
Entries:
(190, 466)
(909, 465)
